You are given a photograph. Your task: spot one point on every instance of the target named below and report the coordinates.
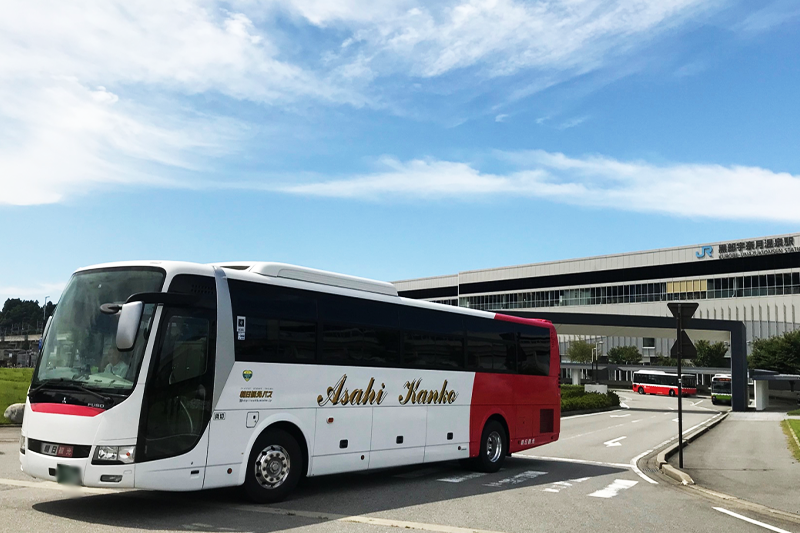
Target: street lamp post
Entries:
(44, 312)
(596, 357)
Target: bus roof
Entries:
(311, 279)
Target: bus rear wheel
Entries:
(641, 390)
(672, 392)
(274, 468)
(493, 448)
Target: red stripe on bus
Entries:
(65, 409)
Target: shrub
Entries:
(575, 398)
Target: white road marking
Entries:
(639, 472)
(559, 485)
(674, 419)
(698, 402)
(614, 442)
(459, 479)
(516, 480)
(401, 524)
(622, 404)
(620, 416)
(564, 419)
(579, 461)
(635, 421)
(614, 488)
(750, 520)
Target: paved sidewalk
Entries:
(746, 456)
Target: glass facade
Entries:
(698, 289)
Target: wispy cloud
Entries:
(572, 122)
(750, 193)
(501, 117)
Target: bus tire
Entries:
(671, 392)
(714, 401)
(641, 390)
(494, 447)
(274, 467)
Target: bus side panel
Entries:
(528, 404)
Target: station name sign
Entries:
(779, 245)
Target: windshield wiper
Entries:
(45, 382)
(71, 385)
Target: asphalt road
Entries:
(585, 481)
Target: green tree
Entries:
(781, 354)
(16, 311)
(711, 355)
(624, 355)
(580, 352)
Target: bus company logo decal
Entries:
(416, 396)
(705, 251)
(247, 374)
(339, 395)
(255, 395)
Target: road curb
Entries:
(679, 475)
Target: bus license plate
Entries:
(57, 449)
(68, 474)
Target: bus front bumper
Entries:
(77, 471)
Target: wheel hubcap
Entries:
(494, 446)
(272, 467)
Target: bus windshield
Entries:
(80, 348)
(723, 387)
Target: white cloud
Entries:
(94, 94)
(748, 193)
(34, 292)
(501, 117)
(101, 94)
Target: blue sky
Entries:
(390, 139)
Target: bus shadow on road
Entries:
(324, 498)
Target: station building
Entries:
(754, 280)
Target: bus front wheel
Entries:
(641, 390)
(274, 468)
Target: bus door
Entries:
(173, 431)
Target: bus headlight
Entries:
(114, 454)
(22, 444)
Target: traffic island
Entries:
(743, 461)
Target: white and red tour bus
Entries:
(180, 376)
(659, 382)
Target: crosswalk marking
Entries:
(459, 479)
(515, 480)
(614, 488)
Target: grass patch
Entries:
(14, 384)
(792, 430)
(575, 398)
(796, 412)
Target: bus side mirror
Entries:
(129, 317)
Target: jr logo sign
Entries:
(705, 251)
